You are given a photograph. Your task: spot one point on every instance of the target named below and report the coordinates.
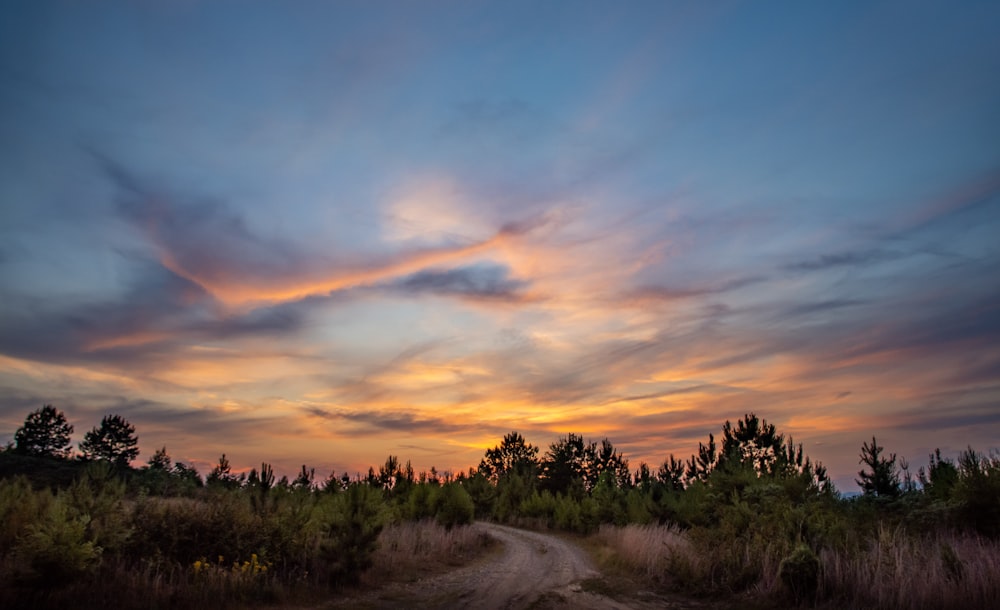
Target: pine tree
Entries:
(881, 479)
(45, 433)
(114, 440)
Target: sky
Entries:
(326, 232)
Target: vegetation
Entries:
(114, 441)
(748, 515)
(45, 433)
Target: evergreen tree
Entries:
(114, 440)
(222, 475)
(566, 466)
(160, 460)
(45, 433)
(881, 478)
(513, 455)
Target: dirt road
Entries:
(532, 571)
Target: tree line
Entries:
(749, 500)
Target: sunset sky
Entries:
(325, 232)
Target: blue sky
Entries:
(326, 232)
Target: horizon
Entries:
(324, 234)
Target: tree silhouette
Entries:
(222, 475)
(671, 473)
(881, 479)
(160, 460)
(940, 477)
(512, 456)
(45, 433)
(114, 440)
(752, 441)
(751, 448)
(566, 467)
(608, 459)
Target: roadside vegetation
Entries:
(748, 516)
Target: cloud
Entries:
(821, 306)
(665, 293)
(481, 282)
(844, 259)
(158, 314)
(376, 421)
(208, 244)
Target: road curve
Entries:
(533, 570)
(532, 565)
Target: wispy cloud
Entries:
(208, 244)
(482, 282)
(844, 259)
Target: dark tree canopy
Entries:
(573, 466)
(160, 460)
(45, 433)
(754, 445)
(222, 475)
(752, 441)
(114, 440)
(513, 455)
(880, 478)
(565, 465)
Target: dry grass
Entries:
(648, 550)
(409, 550)
(894, 571)
(909, 573)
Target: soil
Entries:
(532, 571)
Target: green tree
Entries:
(880, 478)
(671, 473)
(940, 478)
(114, 440)
(45, 433)
(222, 475)
(160, 460)
(977, 491)
(305, 479)
(606, 458)
(513, 455)
(566, 467)
(752, 441)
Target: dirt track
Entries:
(532, 571)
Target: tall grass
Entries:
(648, 550)
(410, 549)
(895, 570)
(914, 572)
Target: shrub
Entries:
(453, 506)
(56, 549)
(799, 573)
(352, 523)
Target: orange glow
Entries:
(235, 293)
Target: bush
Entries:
(352, 523)
(453, 506)
(799, 573)
(56, 549)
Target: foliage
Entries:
(513, 456)
(45, 433)
(55, 549)
(453, 506)
(880, 478)
(749, 513)
(573, 466)
(977, 492)
(350, 533)
(222, 475)
(114, 440)
(799, 573)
